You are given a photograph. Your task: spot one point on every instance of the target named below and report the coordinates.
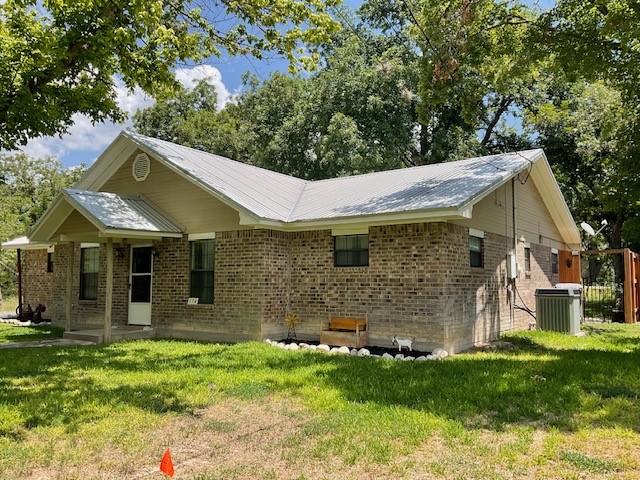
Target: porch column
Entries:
(109, 293)
(72, 250)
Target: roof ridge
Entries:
(416, 167)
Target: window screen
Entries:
(50, 262)
(527, 259)
(89, 262)
(476, 251)
(202, 269)
(351, 250)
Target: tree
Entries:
(355, 115)
(594, 40)
(27, 186)
(585, 130)
(62, 57)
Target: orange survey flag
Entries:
(166, 465)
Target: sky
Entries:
(84, 141)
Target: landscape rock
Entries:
(324, 348)
(421, 358)
(375, 356)
(266, 340)
(399, 356)
(353, 352)
(304, 345)
(334, 350)
(294, 346)
(409, 359)
(344, 350)
(312, 347)
(432, 357)
(440, 353)
(363, 352)
(387, 356)
(281, 345)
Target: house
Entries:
(199, 246)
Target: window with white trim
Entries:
(202, 270)
(89, 267)
(476, 251)
(351, 250)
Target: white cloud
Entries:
(188, 77)
(91, 139)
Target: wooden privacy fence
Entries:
(628, 302)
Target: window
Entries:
(49, 262)
(89, 261)
(476, 251)
(527, 259)
(351, 250)
(554, 262)
(202, 267)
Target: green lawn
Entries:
(14, 333)
(557, 407)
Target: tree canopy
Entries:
(414, 82)
(62, 57)
(27, 187)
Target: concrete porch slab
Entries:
(117, 334)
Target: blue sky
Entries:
(85, 142)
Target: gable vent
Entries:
(141, 167)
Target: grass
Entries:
(14, 333)
(556, 407)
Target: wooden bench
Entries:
(346, 332)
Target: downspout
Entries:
(19, 286)
(515, 252)
(515, 224)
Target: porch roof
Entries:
(109, 215)
(23, 243)
(112, 211)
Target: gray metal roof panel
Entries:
(262, 192)
(120, 212)
(274, 196)
(443, 185)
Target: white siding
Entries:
(534, 223)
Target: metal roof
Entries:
(23, 243)
(112, 211)
(261, 192)
(274, 196)
(442, 185)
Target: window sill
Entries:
(202, 306)
(88, 302)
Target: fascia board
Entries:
(187, 176)
(84, 212)
(121, 233)
(56, 214)
(107, 164)
(543, 177)
(491, 188)
(435, 215)
(26, 246)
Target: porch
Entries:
(130, 332)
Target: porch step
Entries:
(97, 335)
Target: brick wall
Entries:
(237, 309)
(418, 284)
(37, 283)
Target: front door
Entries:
(140, 286)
